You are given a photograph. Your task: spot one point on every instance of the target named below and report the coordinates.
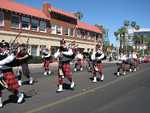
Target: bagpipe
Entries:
(3, 84)
(14, 49)
(13, 45)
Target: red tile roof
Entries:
(20, 8)
(88, 27)
(59, 11)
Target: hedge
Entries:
(35, 60)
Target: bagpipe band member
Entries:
(134, 60)
(97, 58)
(46, 61)
(8, 78)
(23, 55)
(65, 56)
(122, 63)
(90, 61)
(3, 85)
(78, 63)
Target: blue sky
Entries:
(109, 13)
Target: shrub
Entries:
(35, 60)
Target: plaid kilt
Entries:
(67, 69)
(136, 60)
(46, 64)
(99, 66)
(11, 80)
(79, 62)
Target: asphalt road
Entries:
(124, 94)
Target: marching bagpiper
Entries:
(97, 59)
(23, 55)
(133, 60)
(7, 77)
(46, 61)
(90, 61)
(78, 63)
(65, 55)
(122, 64)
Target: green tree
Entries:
(79, 15)
(126, 23)
(123, 36)
(120, 35)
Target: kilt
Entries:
(67, 70)
(11, 81)
(99, 66)
(136, 60)
(79, 62)
(46, 64)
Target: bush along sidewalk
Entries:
(35, 60)
(38, 60)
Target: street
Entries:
(124, 94)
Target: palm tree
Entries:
(126, 27)
(79, 15)
(120, 35)
(133, 24)
(126, 23)
(137, 27)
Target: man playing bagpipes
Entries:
(122, 64)
(87, 56)
(133, 61)
(7, 77)
(78, 62)
(65, 56)
(23, 55)
(97, 58)
(47, 59)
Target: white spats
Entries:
(19, 82)
(124, 73)
(72, 84)
(102, 77)
(49, 72)
(94, 80)
(130, 70)
(75, 69)
(60, 88)
(1, 103)
(134, 69)
(118, 73)
(30, 80)
(45, 73)
(20, 98)
(81, 69)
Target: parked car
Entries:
(146, 59)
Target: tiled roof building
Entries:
(45, 27)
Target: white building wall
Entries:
(42, 40)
